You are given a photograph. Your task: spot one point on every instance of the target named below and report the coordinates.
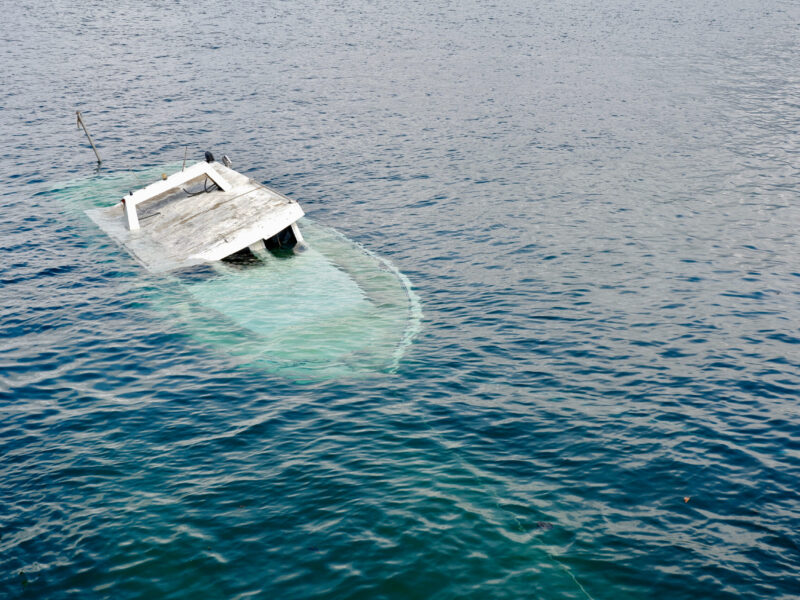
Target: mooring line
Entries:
(415, 325)
(490, 491)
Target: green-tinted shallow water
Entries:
(597, 206)
(328, 310)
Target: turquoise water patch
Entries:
(330, 310)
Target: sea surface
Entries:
(598, 207)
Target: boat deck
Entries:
(180, 227)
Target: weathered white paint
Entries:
(159, 188)
(297, 235)
(131, 217)
(258, 247)
(176, 230)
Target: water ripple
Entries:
(598, 207)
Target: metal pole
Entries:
(82, 124)
(185, 150)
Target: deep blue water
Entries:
(598, 205)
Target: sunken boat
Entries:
(238, 267)
(203, 213)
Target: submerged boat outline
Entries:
(381, 323)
